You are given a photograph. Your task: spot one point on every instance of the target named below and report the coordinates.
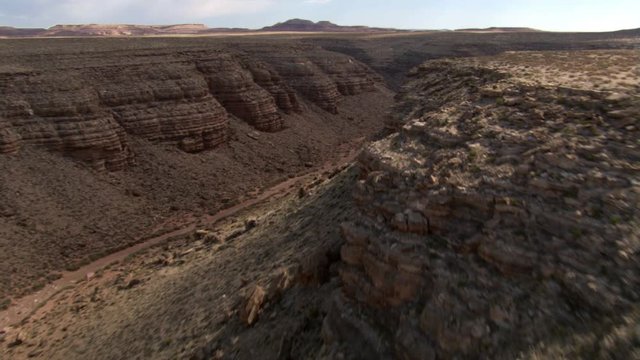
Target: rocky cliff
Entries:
(320, 78)
(235, 88)
(502, 216)
(87, 105)
(63, 113)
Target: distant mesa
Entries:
(109, 30)
(301, 25)
(115, 30)
(123, 29)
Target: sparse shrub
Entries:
(72, 267)
(590, 156)
(4, 303)
(576, 233)
(440, 121)
(38, 286)
(473, 155)
(573, 193)
(597, 213)
(165, 343)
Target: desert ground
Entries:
(410, 195)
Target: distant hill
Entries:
(11, 31)
(293, 25)
(500, 29)
(116, 30)
(123, 30)
(113, 30)
(301, 25)
(629, 32)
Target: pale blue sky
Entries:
(560, 15)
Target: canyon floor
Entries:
(411, 196)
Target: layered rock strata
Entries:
(62, 113)
(85, 105)
(351, 77)
(501, 216)
(234, 87)
(165, 102)
(285, 97)
(9, 139)
(308, 79)
(321, 76)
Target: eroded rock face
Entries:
(321, 76)
(236, 90)
(285, 97)
(166, 102)
(86, 105)
(308, 79)
(350, 76)
(61, 113)
(501, 215)
(9, 139)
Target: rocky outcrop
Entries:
(500, 216)
(86, 105)
(308, 79)
(320, 26)
(166, 102)
(351, 77)
(9, 140)
(321, 76)
(236, 90)
(62, 113)
(268, 79)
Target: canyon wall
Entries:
(321, 79)
(86, 104)
(500, 215)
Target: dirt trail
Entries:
(22, 308)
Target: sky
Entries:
(555, 15)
